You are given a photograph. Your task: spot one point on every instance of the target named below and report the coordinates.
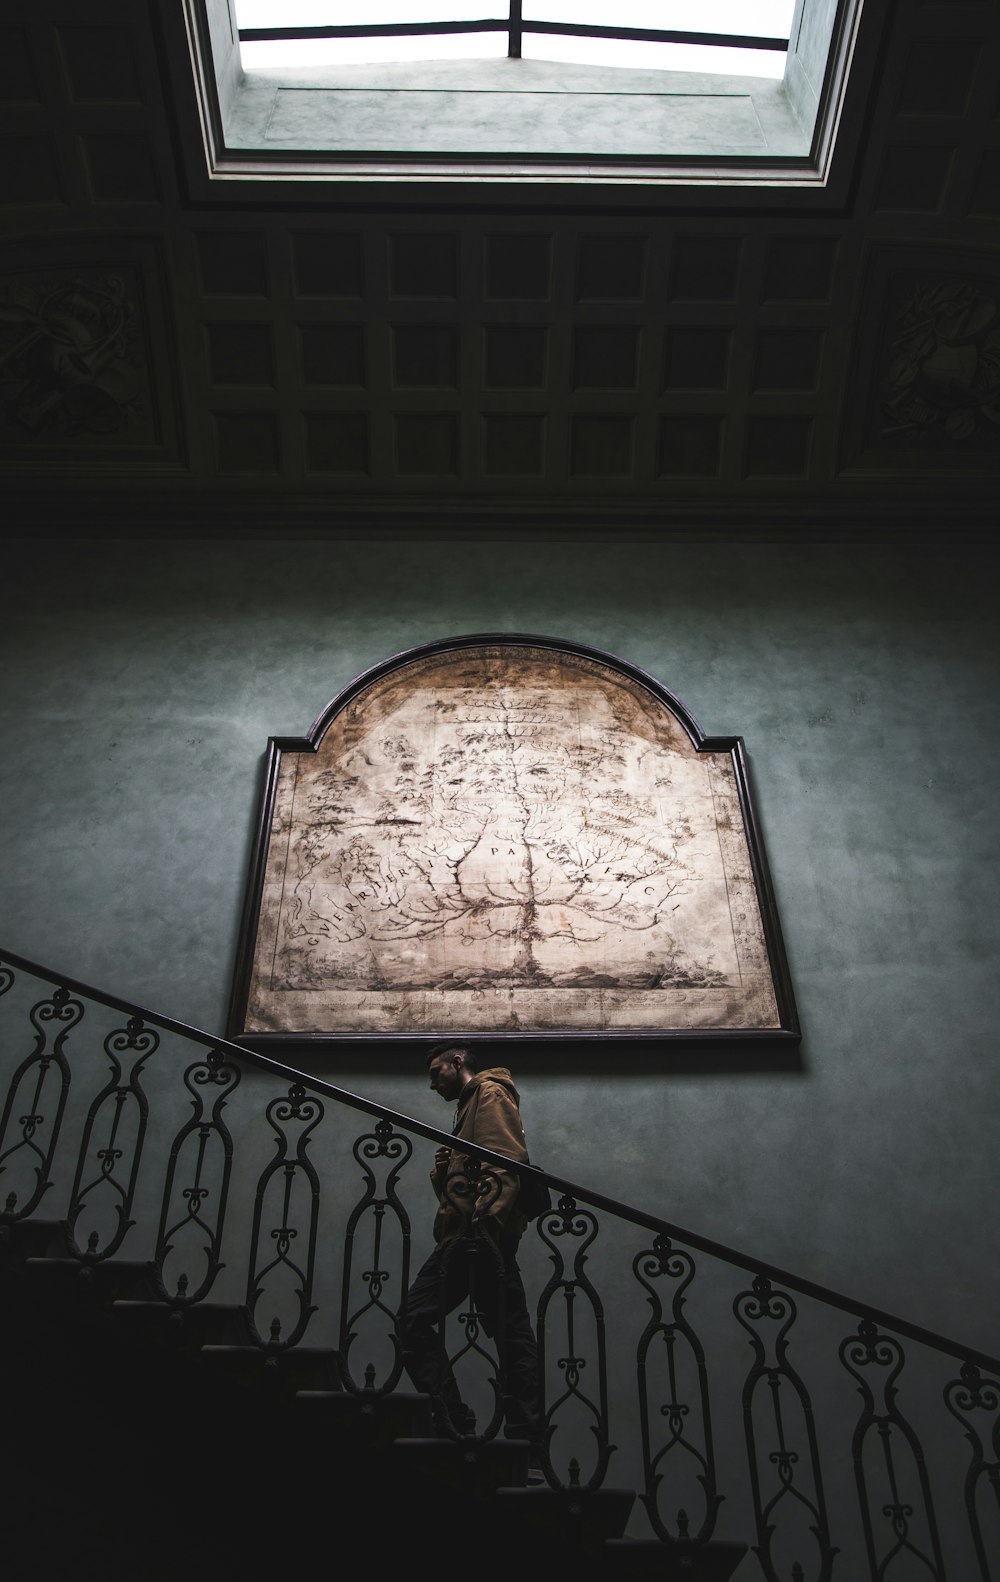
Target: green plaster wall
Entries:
(140, 684)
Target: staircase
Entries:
(201, 1261)
(158, 1443)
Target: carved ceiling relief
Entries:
(941, 382)
(73, 362)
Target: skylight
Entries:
(646, 93)
(733, 37)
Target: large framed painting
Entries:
(503, 835)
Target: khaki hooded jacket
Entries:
(488, 1114)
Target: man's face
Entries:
(445, 1075)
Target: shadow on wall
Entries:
(597, 1057)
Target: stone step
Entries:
(35, 1238)
(381, 1420)
(187, 1328)
(109, 1281)
(300, 1368)
(578, 1520)
(640, 1559)
(467, 1468)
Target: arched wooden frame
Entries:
(508, 836)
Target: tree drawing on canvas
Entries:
(508, 838)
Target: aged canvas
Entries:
(513, 838)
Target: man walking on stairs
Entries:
(488, 1114)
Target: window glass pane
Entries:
(357, 51)
(770, 18)
(337, 13)
(761, 18)
(654, 57)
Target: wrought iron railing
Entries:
(515, 25)
(665, 1356)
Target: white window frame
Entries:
(822, 43)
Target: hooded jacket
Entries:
(488, 1114)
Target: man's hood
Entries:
(499, 1074)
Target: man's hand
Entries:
(441, 1158)
(491, 1224)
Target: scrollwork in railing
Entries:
(40, 1083)
(289, 1278)
(904, 1501)
(568, 1220)
(972, 1393)
(111, 1176)
(196, 1189)
(382, 1145)
(685, 1444)
(472, 1267)
(792, 1474)
(898, 1531)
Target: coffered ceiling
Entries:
(213, 357)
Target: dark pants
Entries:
(489, 1265)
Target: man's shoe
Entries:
(460, 1423)
(536, 1472)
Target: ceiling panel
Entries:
(287, 350)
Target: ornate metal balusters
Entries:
(963, 1396)
(193, 1214)
(680, 1344)
(395, 1149)
(789, 1402)
(41, 1080)
(303, 1111)
(115, 1099)
(473, 1189)
(6, 978)
(898, 1445)
(570, 1221)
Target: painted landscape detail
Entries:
(508, 838)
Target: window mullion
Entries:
(514, 30)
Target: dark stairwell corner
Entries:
(147, 1443)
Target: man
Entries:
(474, 1231)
